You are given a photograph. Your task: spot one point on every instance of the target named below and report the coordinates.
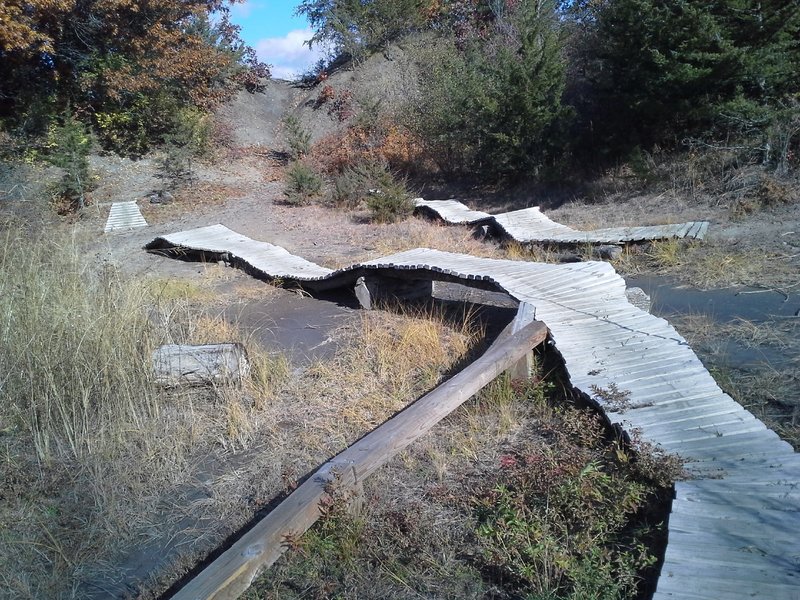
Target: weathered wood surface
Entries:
(124, 215)
(232, 573)
(207, 364)
(605, 340)
(452, 211)
(265, 258)
(529, 225)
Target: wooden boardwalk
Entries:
(530, 225)
(124, 215)
(733, 532)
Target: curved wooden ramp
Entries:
(452, 211)
(530, 225)
(733, 528)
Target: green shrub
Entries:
(68, 147)
(491, 100)
(386, 197)
(303, 184)
(189, 137)
(390, 205)
(348, 189)
(297, 138)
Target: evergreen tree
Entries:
(658, 71)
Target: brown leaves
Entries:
(28, 27)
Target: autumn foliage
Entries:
(119, 62)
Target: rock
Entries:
(608, 252)
(162, 197)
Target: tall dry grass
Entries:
(76, 346)
(94, 456)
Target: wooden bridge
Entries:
(733, 527)
(530, 225)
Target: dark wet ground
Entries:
(299, 326)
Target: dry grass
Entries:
(424, 527)
(92, 448)
(161, 491)
(704, 265)
(422, 233)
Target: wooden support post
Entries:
(232, 573)
(526, 314)
(370, 290)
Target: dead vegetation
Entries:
(515, 493)
(112, 485)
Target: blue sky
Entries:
(277, 35)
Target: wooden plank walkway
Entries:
(530, 225)
(124, 215)
(452, 211)
(733, 528)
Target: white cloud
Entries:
(289, 55)
(245, 8)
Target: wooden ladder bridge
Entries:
(733, 530)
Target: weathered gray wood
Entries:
(452, 211)
(207, 364)
(526, 314)
(603, 340)
(232, 573)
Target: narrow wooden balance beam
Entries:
(233, 572)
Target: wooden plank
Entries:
(123, 216)
(712, 569)
(707, 431)
(526, 314)
(234, 570)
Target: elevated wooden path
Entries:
(124, 215)
(733, 532)
(452, 211)
(530, 225)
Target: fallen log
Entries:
(207, 364)
(232, 572)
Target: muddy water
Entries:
(724, 305)
(769, 308)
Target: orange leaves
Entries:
(387, 143)
(27, 27)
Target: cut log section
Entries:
(207, 364)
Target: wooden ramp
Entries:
(452, 211)
(733, 528)
(530, 225)
(124, 215)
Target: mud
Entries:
(300, 327)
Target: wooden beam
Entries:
(232, 573)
